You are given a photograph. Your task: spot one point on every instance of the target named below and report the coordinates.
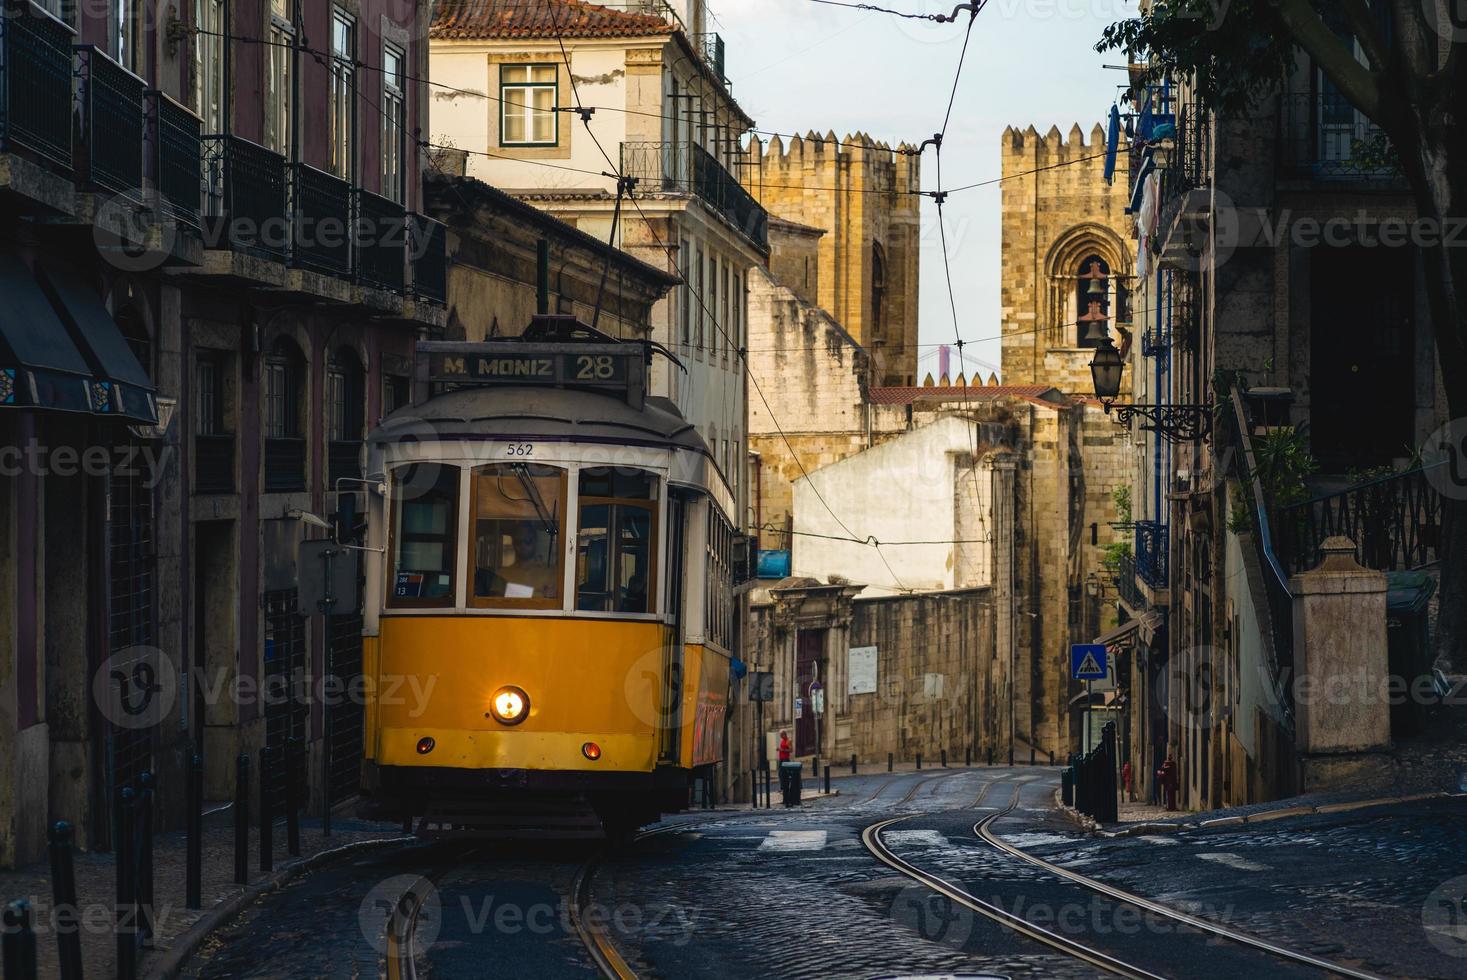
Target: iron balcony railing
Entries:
(689, 169)
(1126, 583)
(245, 196)
(321, 208)
(35, 82)
(428, 250)
(711, 47)
(214, 464)
(1325, 136)
(1395, 522)
(343, 462)
(109, 102)
(285, 465)
(176, 156)
(1152, 553)
(1190, 164)
(381, 241)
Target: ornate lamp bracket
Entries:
(1176, 423)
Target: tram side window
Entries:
(519, 522)
(616, 548)
(718, 601)
(424, 532)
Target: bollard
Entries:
(293, 772)
(754, 787)
(194, 863)
(827, 780)
(267, 818)
(815, 767)
(125, 925)
(407, 823)
(888, 761)
(853, 763)
(63, 896)
(968, 757)
(1051, 756)
(919, 760)
(326, 772)
(242, 819)
(990, 755)
(944, 758)
(144, 887)
(19, 943)
(1031, 755)
(1011, 755)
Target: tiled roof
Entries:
(905, 395)
(490, 19)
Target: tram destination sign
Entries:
(614, 368)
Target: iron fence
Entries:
(177, 156)
(109, 101)
(1325, 136)
(245, 192)
(1126, 582)
(35, 82)
(321, 208)
(1152, 538)
(689, 169)
(381, 241)
(1395, 523)
(429, 244)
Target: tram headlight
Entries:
(510, 705)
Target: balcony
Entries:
(428, 241)
(687, 168)
(176, 156)
(214, 464)
(1152, 553)
(35, 86)
(711, 47)
(322, 223)
(109, 102)
(381, 241)
(245, 197)
(1395, 523)
(1125, 578)
(1324, 136)
(1189, 164)
(285, 465)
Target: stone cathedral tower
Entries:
(860, 193)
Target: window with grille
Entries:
(394, 124)
(343, 94)
(282, 380)
(209, 396)
(528, 96)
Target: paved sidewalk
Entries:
(96, 882)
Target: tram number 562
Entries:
(520, 449)
(590, 368)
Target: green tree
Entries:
(1411, 84)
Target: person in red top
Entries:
(785, 752)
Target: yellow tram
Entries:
(549, 598)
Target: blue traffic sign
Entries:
(1088, 661)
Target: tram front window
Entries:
(425, 502)
(616, 548)
(519, 519)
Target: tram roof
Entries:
(563, 414)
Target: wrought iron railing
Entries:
(1324, 135)
(321, 220)
(711, 47)
(1126, 582)
(109, 101)
(214, 464)
(343, 462)
(1190, 165)
(177, 156)
(1395, 522)
(688, 168)
(35, 82)
(428, 245)
(285, 465)
(1152, 553)
(381, 241)
(245, 196)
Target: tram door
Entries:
(672, 647)
(808, 669)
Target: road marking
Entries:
(1234, 861)
(922, 838)
(794, 840)
(1157, 839)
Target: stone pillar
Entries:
(1342, 713)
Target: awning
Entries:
(40, 366)
(121, 387)
(1119, 633)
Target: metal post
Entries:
(944, 758)
(1031, 755)
(267, 846)
(327, 604)
(1011, 753)
(63, 894)
(990, 755)
(919, 760)
(754, 788)
(20, 942)
(827, 780)
(125, 924)
(293, 769)
(853, 763)
(889, 760)
(145, 859)
(326, 766)
(242, 819)
(968, 757)
(194, 863)
(815, 767)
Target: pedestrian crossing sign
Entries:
(1088, 661)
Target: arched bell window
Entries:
(1092, 297)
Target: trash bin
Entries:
(790, 773)
(1408, 645)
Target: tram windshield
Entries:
(424, 534)
(616, 548)
(518, 533)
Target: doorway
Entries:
(809, 667)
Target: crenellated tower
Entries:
(859, 191)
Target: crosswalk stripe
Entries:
(794, 840)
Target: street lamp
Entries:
(1105, 370)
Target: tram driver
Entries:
(531, 571)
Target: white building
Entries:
(510, 77)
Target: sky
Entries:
(797, 65)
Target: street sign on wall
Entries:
(1088, 661)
